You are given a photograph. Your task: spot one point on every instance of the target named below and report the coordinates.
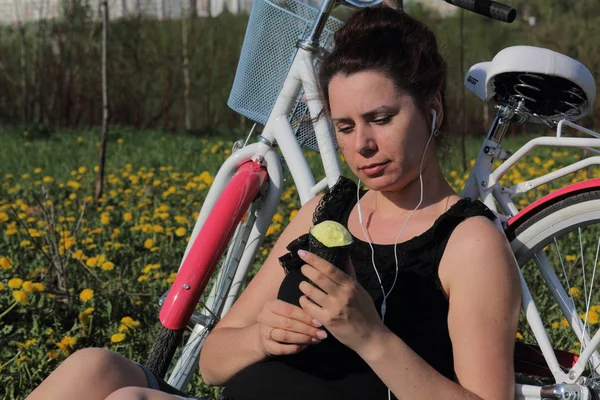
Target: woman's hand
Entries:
(286, 329)
(342, 304)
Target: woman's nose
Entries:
(364, 140)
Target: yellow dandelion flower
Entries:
(72, 196)
(63, 348)
(21, 297)
(82, 170)
(48, 179)
(181, 231)
(123, 329)
(148, 243)
(142, 278)
(91, 262)
(172, 277)
(1, 286)
(108, 266)
(117, 338)
(158, 229)
(5, 263)
(52, 355)
(27, 286)
(293, 214)
(273, 229)
(574, 292)
(86, 295)
(38, 287)
(130, 322)
(570, 258)
(127, 217)
(15, 283)
(593, 317)
(564, 322)
(74, 184)
(278, 218)
(68, 341)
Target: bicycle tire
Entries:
(163, 349)
(544, 228)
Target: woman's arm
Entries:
(480, 276)
(235, 341)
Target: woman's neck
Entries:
(435, 190)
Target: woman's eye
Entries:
(382, 120)
(344, 129)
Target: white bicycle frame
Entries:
(482, 183)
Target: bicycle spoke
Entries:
(589, 296)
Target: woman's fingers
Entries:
(287, 329)
(287, 323)
(285, 336)
(314, 293)
(273, 348)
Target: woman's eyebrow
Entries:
(371, 113)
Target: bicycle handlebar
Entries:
(488, 8)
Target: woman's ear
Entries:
(436, 105)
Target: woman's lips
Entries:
(374, 169)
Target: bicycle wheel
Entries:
(196, 276)
(557, 249)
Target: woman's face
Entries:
(379, 129)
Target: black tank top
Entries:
(417, 311)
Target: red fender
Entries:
(210, 244)
(550, 198)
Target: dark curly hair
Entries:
(389, 41)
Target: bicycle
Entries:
(250, 181)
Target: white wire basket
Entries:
(273, 31)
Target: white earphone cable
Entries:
(369, 241)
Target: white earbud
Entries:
(433, 121)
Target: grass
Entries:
(75, 274)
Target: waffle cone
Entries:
(338, 255)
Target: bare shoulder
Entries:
(477, 249)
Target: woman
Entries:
(434, 267)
